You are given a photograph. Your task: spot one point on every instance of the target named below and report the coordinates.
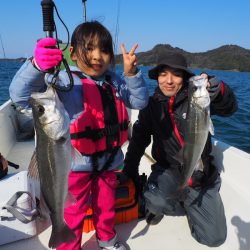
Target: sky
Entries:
(192, 25)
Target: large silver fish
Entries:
(54, 158)
(198, 125)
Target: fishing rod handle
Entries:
(11, 164)
(48, 17)
(49, 28)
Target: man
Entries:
(163, 120)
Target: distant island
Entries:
(20, 59)
(227, 57)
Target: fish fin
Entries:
(211, 127)
(33, 167)
(77, 157)
(59, 237)
(199, 165)
(43, 209)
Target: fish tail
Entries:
(59, 237)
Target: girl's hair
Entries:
(87, 33)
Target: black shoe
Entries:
(153, 219)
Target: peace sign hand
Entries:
(129, 60)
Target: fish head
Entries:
(49, 114)
(198, 91)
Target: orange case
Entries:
(126, 207)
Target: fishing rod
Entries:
(49, 28)
(4, 56)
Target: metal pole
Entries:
(84, 10)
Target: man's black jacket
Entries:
(163, 121)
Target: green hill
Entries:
(227, 57)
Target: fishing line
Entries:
(68, 36)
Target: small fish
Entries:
(54, 155)
(198, 125)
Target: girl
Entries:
(99, 121)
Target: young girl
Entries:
(99, 121)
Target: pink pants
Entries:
(102, 189)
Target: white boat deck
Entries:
(172, 232)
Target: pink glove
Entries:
(45, 56)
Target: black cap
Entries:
(173, 60)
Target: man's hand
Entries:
(129, 60)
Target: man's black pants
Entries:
(203, 206)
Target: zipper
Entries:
(170, 110)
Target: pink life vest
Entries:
(103, 125)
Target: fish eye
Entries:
(40, 109)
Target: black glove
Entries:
(214, 87)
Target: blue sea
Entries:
(234, 130)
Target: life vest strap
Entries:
(96, 134)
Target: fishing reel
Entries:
(49, 28)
